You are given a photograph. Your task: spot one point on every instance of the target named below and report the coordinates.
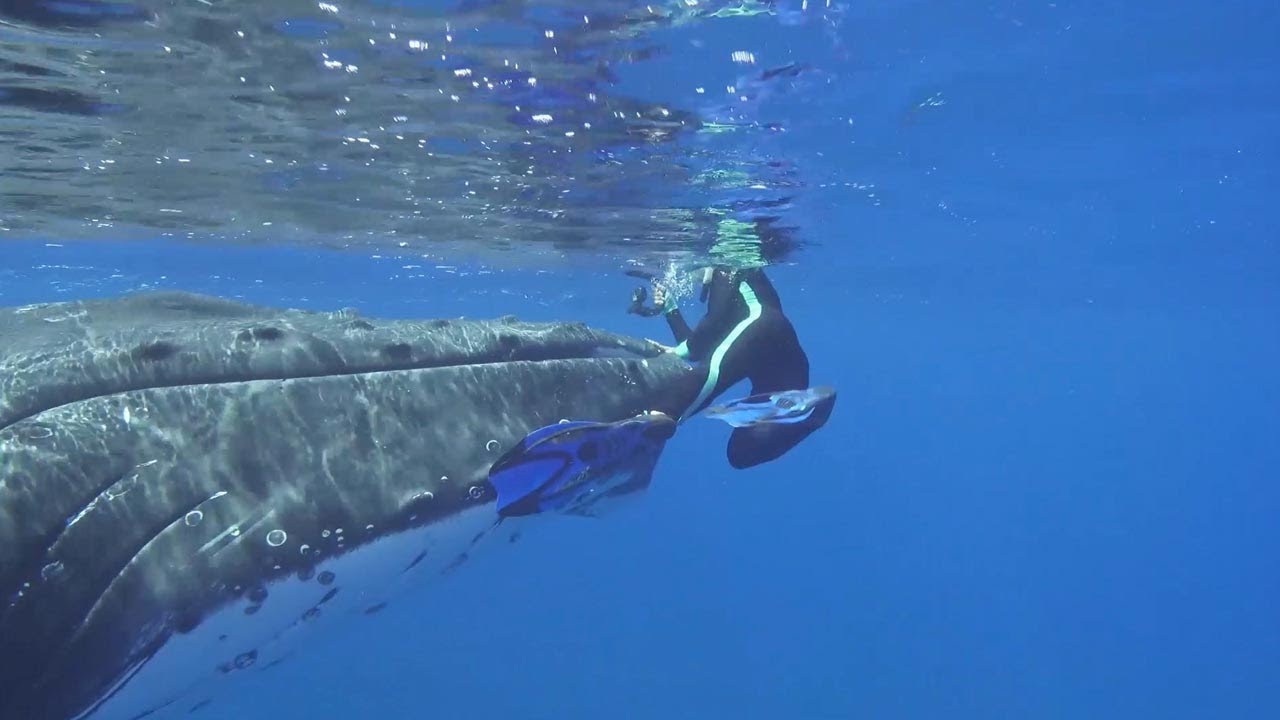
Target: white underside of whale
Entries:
(190, 667)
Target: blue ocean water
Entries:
(1041, 269)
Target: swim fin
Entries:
(569, 467)
(785, 407)
(757, 443)
(546, 432)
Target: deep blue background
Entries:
(1050, 485)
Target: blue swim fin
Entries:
(522, 478)
(569, 466)
(543, 433)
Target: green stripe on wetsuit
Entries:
(717, 357)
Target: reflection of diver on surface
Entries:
(743, 335)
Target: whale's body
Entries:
(187, 484)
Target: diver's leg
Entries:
(744, 349)
(786, 367)
(780, 364)
(725, 365)
(679, 395)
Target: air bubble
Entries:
(304, 549)
(476, 492)
(193, 518)
(492, 446)
(37, 432)
(235, 531)
(276, 538)
(52, 570)
(324, 534)
(245, 660)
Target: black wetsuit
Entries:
(744, 335)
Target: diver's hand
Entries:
(637, 306)
(659, 296)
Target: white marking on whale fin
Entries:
(106, 593)
(231, 642)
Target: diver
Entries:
(571, 465)
(743, 334)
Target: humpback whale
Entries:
(188, 484)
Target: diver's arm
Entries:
(679, 326)
(680, 329)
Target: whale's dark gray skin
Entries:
(168, 459)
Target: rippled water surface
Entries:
(412, 125)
